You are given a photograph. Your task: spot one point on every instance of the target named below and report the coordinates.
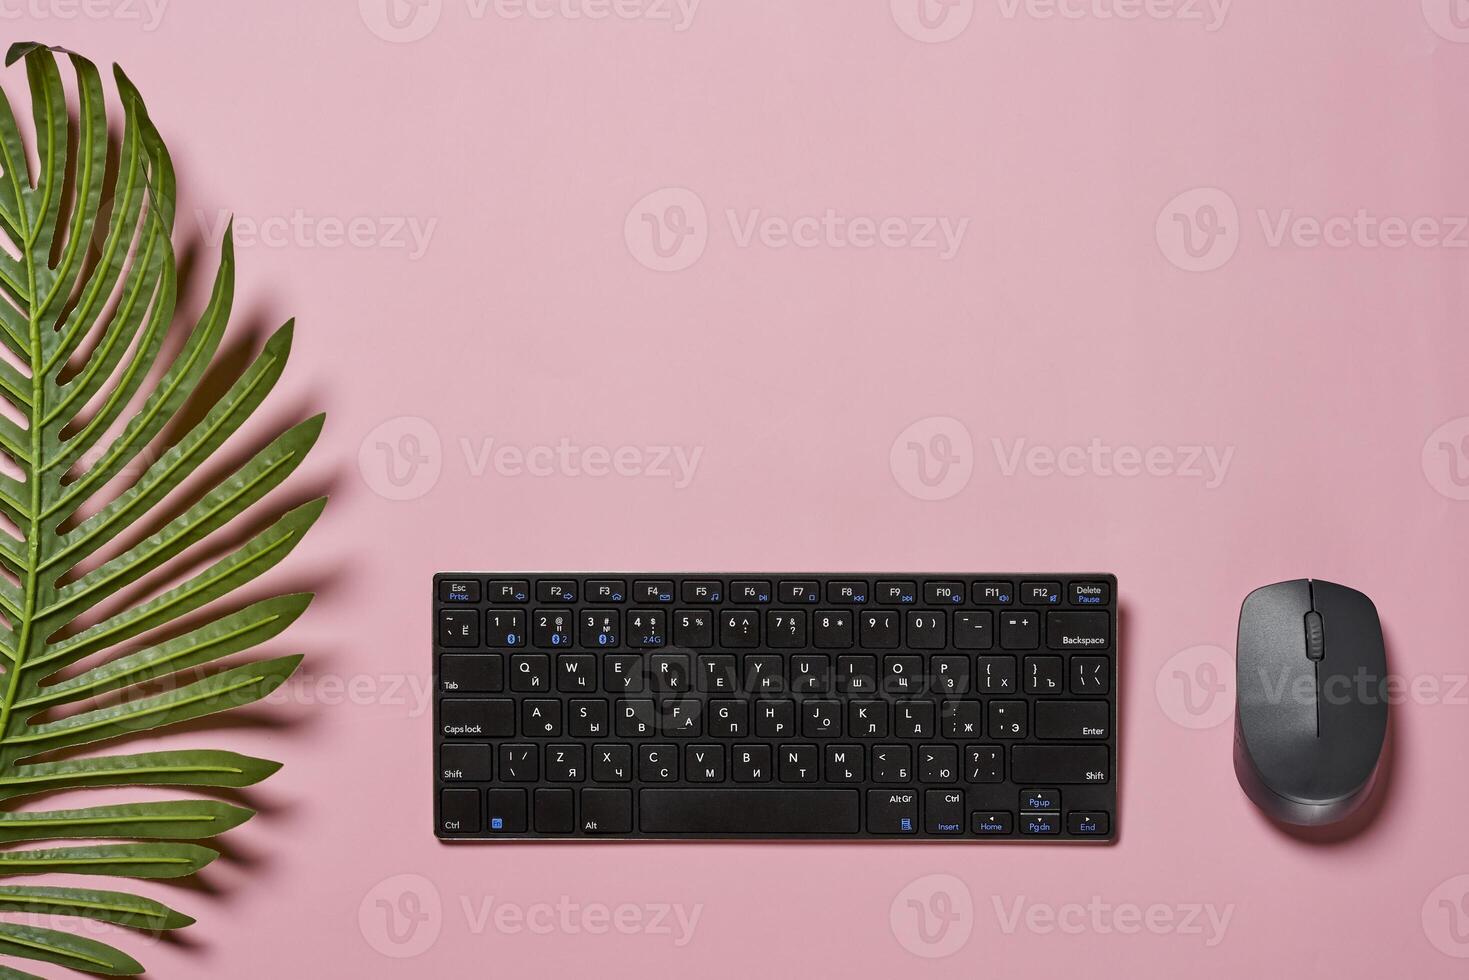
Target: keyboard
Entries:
(632, 706)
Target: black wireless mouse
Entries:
(1311, 704)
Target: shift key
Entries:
(1060, 764)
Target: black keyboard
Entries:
(769, 705)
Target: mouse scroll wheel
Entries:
(1315, 636)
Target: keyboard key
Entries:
(974, 630)
(926, 630)
(1040, 800)
(670, 673)
(943, 811)
(984, 764)
(1078, 720)
(459, 811)
(1040, 593)
(477, 718)
(949, 675)
(459, 627)
(551, 628)
(717, 675)
(785, 629)
(599, 628)
(520, 764)
(798, 764)
(903, 675)
(658, 763)
(508, 590)
(799, 592)
(752, 764)
(1044, 675)
(748, 591)
(465, 762)
(1020, 631)
(653, 590)
(846, 592)
(821, 719)
(1007, 719)
(606, 590)
(843, 764)
(681, 717)
(938, 764)
(740, 629)
(576, 673)
(764, 674)
(530, 673)
(892, 764)
(647, 628)
(611, 764)
(505, 628)
(995, 675)
(775, 719)
(704, 763)
(553, 811)
(892, 811)
(810, 674)
(867, 719)
(540, 718)
(1091, 675)
(785, 812)
(1040, 823)
(913, 719)
(943, 593)
(566, 764)
(993, 823)
(1062, 764)
(963, 719)
(556, 590)
(505, 811)
(857, 675)
(705, 591)
(729, 719)
(634, 718)
(1088, 630)
(832, 629)
(879, 629)
(623, 674)
(588, 719)
(693, 628)
(459, 590)
(1090, 594)
(471, 673)
(992, 593)
(606, 811)
(1088, 823)
(896, 593)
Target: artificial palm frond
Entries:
(88, 287)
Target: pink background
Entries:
(1064, 317)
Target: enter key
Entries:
(1072, 720)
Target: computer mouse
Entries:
(1311, 701)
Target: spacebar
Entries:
(748, 811)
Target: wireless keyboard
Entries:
(767, 705)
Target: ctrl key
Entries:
(459, 811)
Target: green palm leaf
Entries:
(88, 289)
